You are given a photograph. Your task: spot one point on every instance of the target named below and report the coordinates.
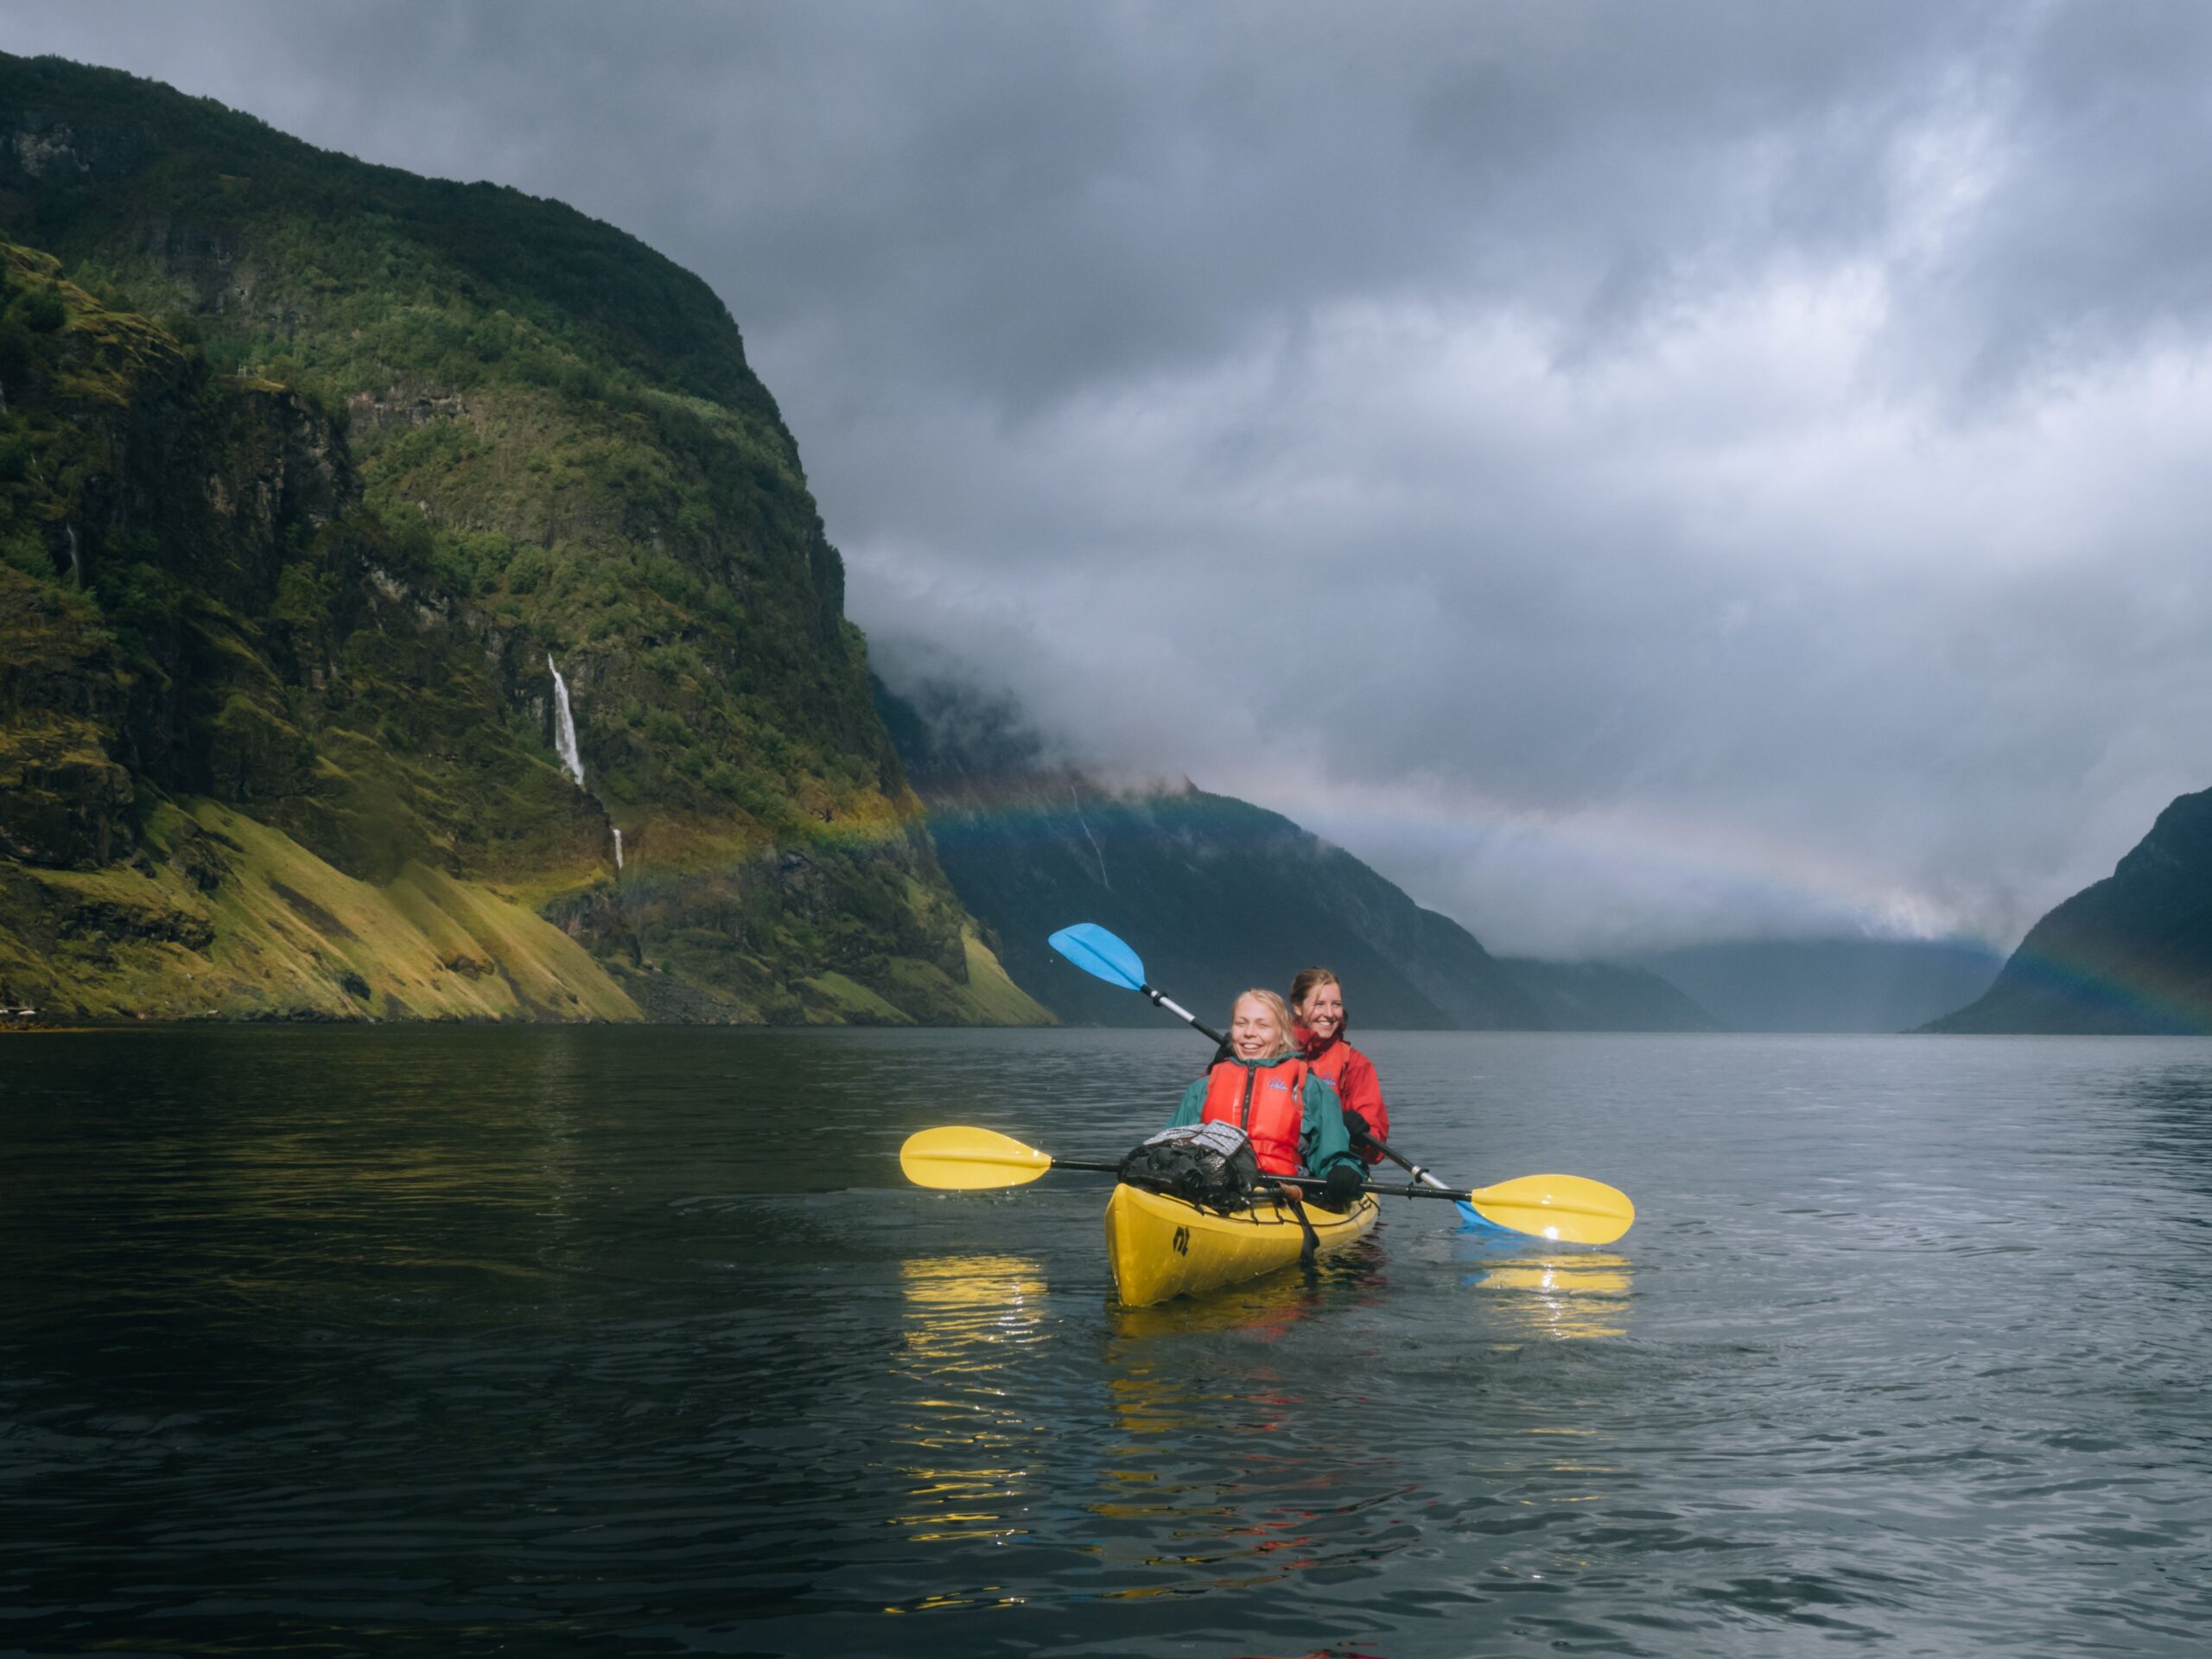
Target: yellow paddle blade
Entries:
(967, 1159)
(1563, 1207)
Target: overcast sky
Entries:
(1634, 473)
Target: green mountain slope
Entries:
(358, 459)
(2130, 954)
(1215, 893)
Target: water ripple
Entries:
(634, 1342)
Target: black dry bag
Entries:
(1208, 1163)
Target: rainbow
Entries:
(1694, 855)
(2080, 987)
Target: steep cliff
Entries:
(1217, 893)
(330, 471)
(2132, 954)
(221, 682)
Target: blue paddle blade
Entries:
(1097, 952)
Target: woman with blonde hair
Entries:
(1316, 1000)
(1267, 1089)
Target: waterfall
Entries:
(1097, 852)
(564, 727)
(618, 849)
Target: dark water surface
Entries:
(326, 1341)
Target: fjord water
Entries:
(331, 1341)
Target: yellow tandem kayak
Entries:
(1163, 1247)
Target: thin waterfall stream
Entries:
(564, 726)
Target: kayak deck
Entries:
(1162, 1247)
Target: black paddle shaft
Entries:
(1396, 1157)
(1304, 1183)
(1161, 1000)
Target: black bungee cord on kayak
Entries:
(1289, 1197)
(1213, 1166)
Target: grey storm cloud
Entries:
(1634, 473)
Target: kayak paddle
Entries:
(1103, 956)
(1565, 1208)
(1106, 956)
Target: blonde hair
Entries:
(1273, 1004)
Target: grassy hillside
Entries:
(226, 916)
(319, 467)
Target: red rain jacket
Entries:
(1353, 1073)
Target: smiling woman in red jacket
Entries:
(1296, 1125)
(1317, 999)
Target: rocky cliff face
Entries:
(1215, 893)
(151, 513)
(320, 465)
(222, 688)
(2131, 954)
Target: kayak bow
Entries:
(1163, 1247)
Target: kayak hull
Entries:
(1162, 1247)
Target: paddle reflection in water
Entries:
(970, 1322)
(1530, 1288)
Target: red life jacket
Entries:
(1267, 1103)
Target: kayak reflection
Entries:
(1226, 1472)
(1264, 1308)
(1569, 1295)
(966, 1447)
(1169, 1525)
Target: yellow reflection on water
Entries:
(1570, 1296)
(965, 1445)
(1189, 1520)
(1264, 1309)
(1147, 1405)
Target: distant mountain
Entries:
(1833, 985)
(1215, 893)
(2131, 955)
(1606, 996)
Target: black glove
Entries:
(1344, 1186)
(1355, 1125)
